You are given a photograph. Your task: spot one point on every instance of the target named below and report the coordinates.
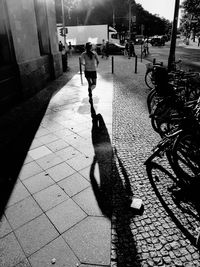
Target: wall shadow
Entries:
(18, 128)
(113, 192)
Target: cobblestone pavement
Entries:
(151, 238)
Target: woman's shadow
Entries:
(113, 190)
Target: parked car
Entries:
(166, 37)
(157, 41)
(114, 49)
(139, 39)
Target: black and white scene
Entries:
(100, 133)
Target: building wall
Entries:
(33, 30)
(24, 29)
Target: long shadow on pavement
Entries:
(113, 193)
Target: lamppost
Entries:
(63, 21)
(171, 58)
(130, 5)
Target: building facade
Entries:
(29, 55)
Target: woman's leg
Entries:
(89, 80)
(94, 82)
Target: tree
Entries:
(116, 13)
(192, 7)
(190, 21)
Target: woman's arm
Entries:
(82, 60)
(97, 59)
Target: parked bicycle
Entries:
(151, 68)
(175, 111)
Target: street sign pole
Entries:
(129, 19)
(171, 58)
(63, 21)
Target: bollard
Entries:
(80, 67)
(141, 52)
(135, 63)
(154, 61)
(112, 64)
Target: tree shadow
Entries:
(113, 192)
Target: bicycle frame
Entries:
(164, 145)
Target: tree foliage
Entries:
(114, 13)
(190, 21)
(192, 7)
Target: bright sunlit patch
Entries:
(93, 40)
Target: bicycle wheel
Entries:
(186, 156)
(165, 117)
(192, 93)
(149, 79)
(152, 100)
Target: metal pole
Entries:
(135, 63)
(112, 64)
(171, 58)
(129, 24)
(129, 19)
(80, 67)
(63, 21)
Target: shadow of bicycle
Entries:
(181, 203)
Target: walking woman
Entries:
(90, 60)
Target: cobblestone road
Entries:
(153, 238)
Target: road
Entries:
(190, 56)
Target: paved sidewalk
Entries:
(192, 44)
(52, 214)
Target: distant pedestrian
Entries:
(103, 48)
(147, 45)
(131, 49)
(64, 58)
(70, 48)
(90, 60)
(60, 46)
(199, 40)
(126, 49)
(107, 49)
(145, 50)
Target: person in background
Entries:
(70, 48)
(131, 49)
(103, 48)
(90, 61)
(107, 49)
(126, 49)
(199, 40)
(64, 58)
(145, 47)
(60, 46)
